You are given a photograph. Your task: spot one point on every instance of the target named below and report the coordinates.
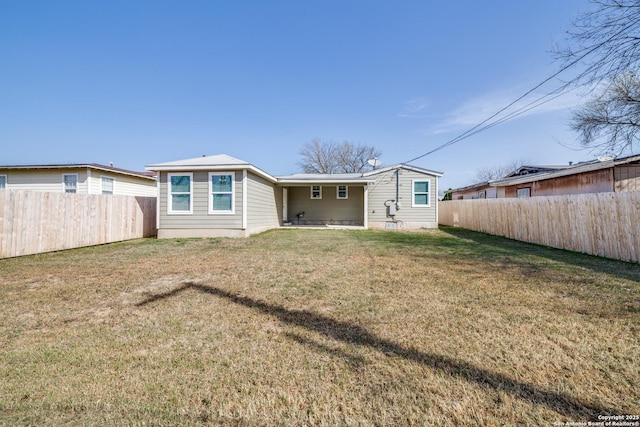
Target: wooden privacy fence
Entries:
(604, 224)
(33, 222)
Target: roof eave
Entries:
(83, 166)
(324, 181)
(555, 174)
(404, 166)
(187, 168)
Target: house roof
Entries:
(96, 166)
(321, 178)
(470, 187)
(215, 162)
(403, 166)
(225, 162)
(589, 166)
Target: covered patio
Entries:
(311, 200)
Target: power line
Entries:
(480, 127)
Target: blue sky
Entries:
(142, 82)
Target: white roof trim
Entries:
(328, 180)
(82, 166)
(403, 166)
(220, 162)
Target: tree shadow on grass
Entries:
(498, 245)
(561, 403)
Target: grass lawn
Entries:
(318, 327)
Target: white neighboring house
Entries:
(85, 178)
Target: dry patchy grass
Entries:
(298, 327)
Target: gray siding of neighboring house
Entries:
(384, 189)
(329, 209)
(262, 204)
(200, 223)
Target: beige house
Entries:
(91, 178)
(219, 195)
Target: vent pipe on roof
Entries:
(570, 163)
(111, 164)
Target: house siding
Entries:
(262, 204)
(627, 178)
(599, 181)
(124, 185)
(43, 180)
(407, 216)
(329, 209)
(200, 220)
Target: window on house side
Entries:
(222, 193)
(3, 182)
(342, 192)
(524, 192)
(70, 183)
(316, 192)
(107, 184)
(421, 193)
(180, 193)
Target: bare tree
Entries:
(610, 121)
(489, 173)
(605, 45)
(604, 42)
(331, 157)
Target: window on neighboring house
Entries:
(421, 194)
(180, 200)
(3, 182)
(342, 192)
(222, 192)
(523, 192)
(106, 184)
(316, 192)
(70, 183)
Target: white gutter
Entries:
(244, 199)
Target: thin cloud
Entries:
(414, 108)
(477, 110)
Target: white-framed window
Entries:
(107, 184)
(3, 182)
(70, 182)
(342, 192)
(316, 192)
(180, 193)
(420, 193)
(523, 192)
(222, 195)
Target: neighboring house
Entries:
(596, 176)
(481, 190)
(90, 178)
(219, 195)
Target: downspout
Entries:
(366, 206)
(397, 188)
(158, 179)
(244, 199)
(438, 204)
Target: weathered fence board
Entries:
(604, 224)
(34, 222)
